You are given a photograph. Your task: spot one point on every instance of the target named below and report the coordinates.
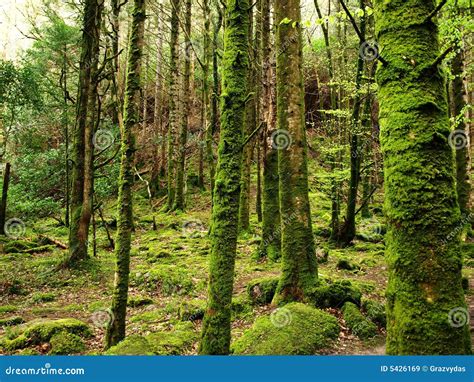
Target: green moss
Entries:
(359, 325)
(191, 310)
(261, 291)
(241, 306)
(132, 345)
(43, 297)
(375, 311)
(137, 301)
(16, 246)
(347, 265)
(66, 343)
(11, 321)
(8, 309)
(293, 329)
(178, 341)
(42, 331)
(335, 294)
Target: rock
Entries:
(137, 301)
(66, 343)
(375, 311)
(11, 321)
(261, 291)
(334, 295)
(347, 265)
(192, 310)
(132, 345)
(357, 323)
(294, 329)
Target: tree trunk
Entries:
(224, 230)
(179, 201)
(82, 153)
(3, 203)
(270, 245)
(116, 329)
(460, 133)
(425, 299)
(173, 99)
(299, 267)
(214, 118)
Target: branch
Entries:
(436, 10)
(441, 57)
(247, 140)
(366, 200)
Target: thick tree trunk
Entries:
(179, 201)
(224, 230)
(116, 329)
(82, 153)
(299, 267)
(173, 99)
(3, 203)
(425, 300)
(271, 232)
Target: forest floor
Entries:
(169, 275)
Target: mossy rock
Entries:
(132, 345)
(11, 321)
(137, 301)
(44, 330)
(240, 305)
(294, 329)
(261, 291)
(63, 343)
(334, 295)
(357, 322)
(346, 264)
(375, 311)
(178, 341)
(191, 310)
(322, 254)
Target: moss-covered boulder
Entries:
(346, 264)
(357, 323)
(261, 291)
(375, 311)
(292, 329)
(177, 341)
(66, 343)
(41, 331)
(335, 294)
(132, 345)
(191, 310)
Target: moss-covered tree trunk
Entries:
(249, 127)
(173, 99)
(224, 230)
(214, 117)
(82, 153)
(299, 267)
(179, 201)
(116, 329)
(461, 134)
(271, 232)
(3, 202)
(425, 300)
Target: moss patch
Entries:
(261, 291)
(293, 329)
(334, 295)
(66, 343)
(359, 325)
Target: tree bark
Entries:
(423, 245)
(3, 203)
(116, 329)
(224, 230)
(299, 267)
